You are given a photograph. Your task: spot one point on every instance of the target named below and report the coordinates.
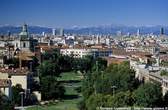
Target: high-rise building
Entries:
(61, 32)
(138, 32)
(119, 33)
(43, 33)
(53, 32)
(162, 31)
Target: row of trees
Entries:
(49, 70)
(54, 64)
(116, 86)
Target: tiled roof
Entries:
(17, 71)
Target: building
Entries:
(76, 52)
(162, 31)
(79, 52)
(22, 42)
(6, 87)
(138, 32)
(16, 76)
(61, 32)
(53, 32)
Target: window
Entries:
(16, 44)
(24, 44)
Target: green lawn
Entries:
(72, 96)
(70, 76)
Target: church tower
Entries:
(24, 33)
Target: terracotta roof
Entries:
(163, 57)
(114, 60)
(5, 83)
(17, 71)
(25, 55)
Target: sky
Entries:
(72, 13)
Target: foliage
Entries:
(122, 99)
(99, 64)
(51, 88)
(82, 64)
(94, 101)
(121, 76)
(16, 97)
(165, 99)
(5, 103)
(148, 95)
(164, 73)
(164, 63)
(49, 68)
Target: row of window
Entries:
(24, 45)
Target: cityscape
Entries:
(83, 55)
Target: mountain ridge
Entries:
(100, 29)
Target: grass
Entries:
(70, 76)
(71, 81)
(63, 105)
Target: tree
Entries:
(165, 99)
(51, 88)
(16, 97)
(94, 101)
(148, 95)
(121, 99)
(49, 68)
(5, 103)
(99, 64)
(121, 76)
(65, 63)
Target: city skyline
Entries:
(71, 13)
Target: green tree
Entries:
(5, 103)
(122, 99)
(165, 99)
(16, 97)
(94, 101)
(148, 95)
(65, 63)
(49, 68)
(121, 76)
(51, 88)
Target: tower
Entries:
(162, 31)
(24, 33)
(138, 32)
(24, 43)
(53, 32)
(61, 32)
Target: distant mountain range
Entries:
(104, 29)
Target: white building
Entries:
(76, 52)
(53, 32)
(81, 52)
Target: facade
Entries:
(5, 87)
(53, 32)
(76, 52)
(150, 74)
(81, 52)
(16, 76)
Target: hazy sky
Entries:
(69, 13)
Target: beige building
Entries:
(16, 76)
